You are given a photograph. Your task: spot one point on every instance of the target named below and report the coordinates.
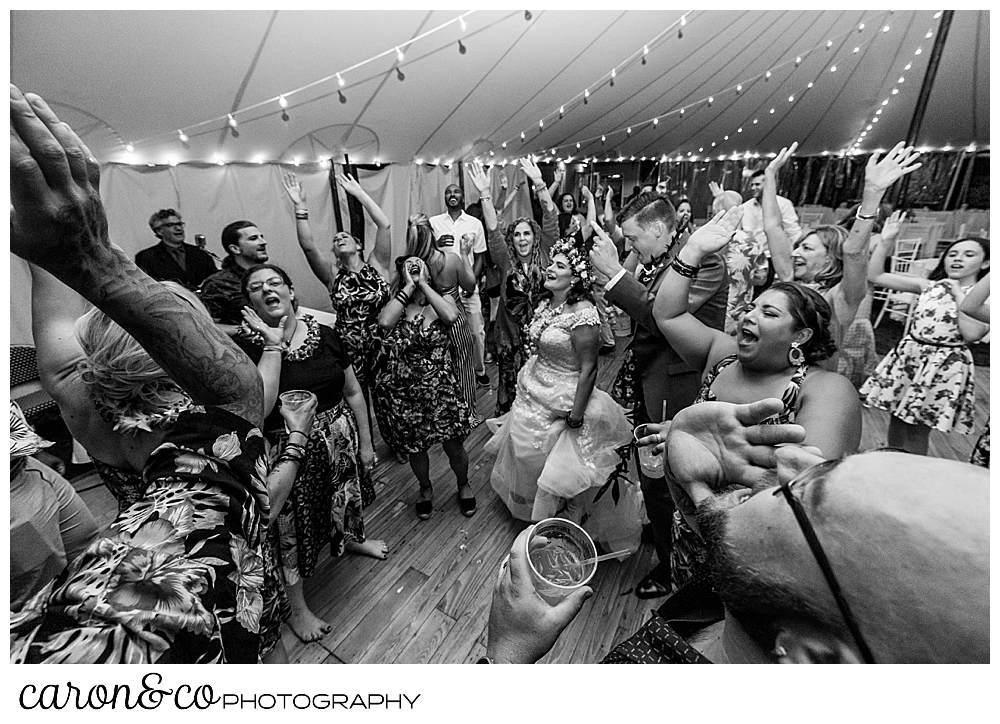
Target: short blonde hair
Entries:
(123, 381)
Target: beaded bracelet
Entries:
(685, 270)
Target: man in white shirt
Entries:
(449, 228)
(753, 217)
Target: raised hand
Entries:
(272, 335)
(781, 159)
(715, 188)
(604, 255)
(586, 192)
(531, 170)
(480, 179)
(899, 161)
(892, 225)
(716, 234)
(57, 220)
(294, 189)
(350, 185)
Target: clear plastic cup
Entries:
(560, 558)
(650, 463)
(294, 399)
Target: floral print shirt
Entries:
(178, 579)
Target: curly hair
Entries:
(832, 237)
(122, 379)
(534, 277)
(809, 310)
(578, 262)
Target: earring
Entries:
(795, 355)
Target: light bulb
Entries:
(183, 136)
(461, 22)
(129, 147)
(282, 101)
(399, 54)
(340, 80)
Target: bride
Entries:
(557, 446)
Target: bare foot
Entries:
(308, 627)
(374, 548)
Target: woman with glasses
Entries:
(295, 352)
(780, 339)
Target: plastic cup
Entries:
(650, 463)
(556, 548)
(294, 399)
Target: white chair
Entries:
(899, 304)
(906, 250)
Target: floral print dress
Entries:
(416, 382)
(180, 576)
(928, 378)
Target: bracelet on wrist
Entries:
(486, 197)
(298, 432)
(685, 270)
(402, 297)
(274, 348)
(865, 217)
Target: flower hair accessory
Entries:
(578, 262)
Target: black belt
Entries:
(933, 344)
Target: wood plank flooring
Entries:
(429, 601)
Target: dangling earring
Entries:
(795, 355)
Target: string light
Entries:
(399, 74)
(461, 22)
(655, 121)
(399, 54)
(645, 52)
(767, 76)
(562, 110)
(129, 147)
(603, 139)
(232, 126)
(829, 44)
(522, 135)
(340, 80)
(527, 15)
(710, 99)
(461, 47)
(183, 136)
(343, 98)
(282, 101)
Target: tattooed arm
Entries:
(58, 223)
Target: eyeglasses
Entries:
(172, 225)
(272, 283)
(816, 472)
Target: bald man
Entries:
(904, 539)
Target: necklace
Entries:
(543, 318)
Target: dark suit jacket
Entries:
(663, 374)
(159, 264)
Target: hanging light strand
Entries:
(396, 50)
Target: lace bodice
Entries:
(549, 335)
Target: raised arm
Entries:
(778, 241)
(898, 282)
(879, 176)
(557, 179)
(696, 343)
(59, 224)
(534, 174)
(321, 266)
(481, 180)
(588, 227)
(382, 251)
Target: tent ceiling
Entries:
(139, 77)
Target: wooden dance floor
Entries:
(429, 601)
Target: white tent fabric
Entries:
(140, 77)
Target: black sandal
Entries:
(467, 505)
(425, 508)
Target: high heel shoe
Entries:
(425, 507)
(466, 505)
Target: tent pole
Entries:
(925, 93)
(956, 172)
(967, 181)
